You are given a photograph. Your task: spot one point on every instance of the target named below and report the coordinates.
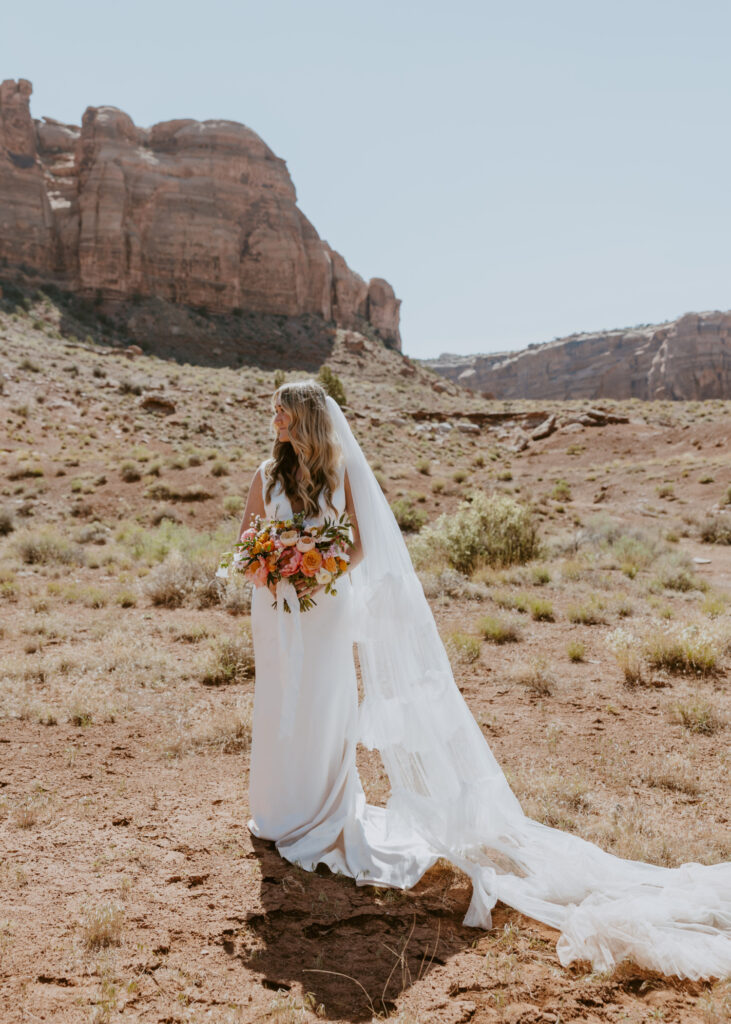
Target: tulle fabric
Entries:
(448, 788)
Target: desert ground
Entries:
(597, 669)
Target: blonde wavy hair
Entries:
(313, 448)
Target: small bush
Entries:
(536, 676)
(697, 716)
(540, 609)
(494, 530)
(220, 468)
(590, 613)
(7, 522)
(332, 384)
(675, 572)
(498, 630)
(715, 530)
(576, 650)
(561, 490)
(102, 925)
(231, 660)
(689, 649)
(233, 504)
(179, 581)
(47, 547)
(462, 648)
(423, 466)
(130, 471)
(409, 518)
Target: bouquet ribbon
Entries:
(291, 654)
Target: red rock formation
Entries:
(197, 213)
(689, 358)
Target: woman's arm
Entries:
(356, 555)
(254, 503)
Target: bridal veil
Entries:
(447, 785)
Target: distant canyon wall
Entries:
(688, 358)
(200, 213)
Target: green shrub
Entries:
(409, 518)
(675, 572)
(576, 650)
(332, 384)
(590, 613)
(47, 547)
(498, 630)
(7, 522)
(231, 660)
(561, 490)
(540, 609)
(130, 471)
(715, 530)
(463, 648)
(495, 530)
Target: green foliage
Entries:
(463, 648)
(407, 515)
(332, 384)
(495, 531)
(498, 630)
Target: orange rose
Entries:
(330, 564)
(311, 562)
(342, 564)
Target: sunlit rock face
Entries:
(198, 213)
(688, 358)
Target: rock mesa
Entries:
(688, 358)
(200, 213)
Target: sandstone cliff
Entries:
(688, 358)
(201, 214)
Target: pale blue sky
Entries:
(516, 170)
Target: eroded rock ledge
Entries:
(688, 358)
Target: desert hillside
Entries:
(684, 359)
(596, 664)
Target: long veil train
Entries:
(448, 787)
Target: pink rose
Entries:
(289, 561)
(248, 534)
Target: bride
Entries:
(449, 797)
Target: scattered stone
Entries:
(545, 429)
(158, 403)
(468, 428)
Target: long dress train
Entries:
(449, 797)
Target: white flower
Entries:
(222, 572)
(323, 576)
(289, 538)
(305, 544)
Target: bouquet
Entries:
(286, 549)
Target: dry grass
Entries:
(102, 925)
(230, 660)
(535, 676)
(498, 630)
(462, 648)
(227, 731)
(180, 581)
(698, 716)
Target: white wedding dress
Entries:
(304, 789)
(449, 797)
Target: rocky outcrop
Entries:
(688, 358)
(196, 213)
